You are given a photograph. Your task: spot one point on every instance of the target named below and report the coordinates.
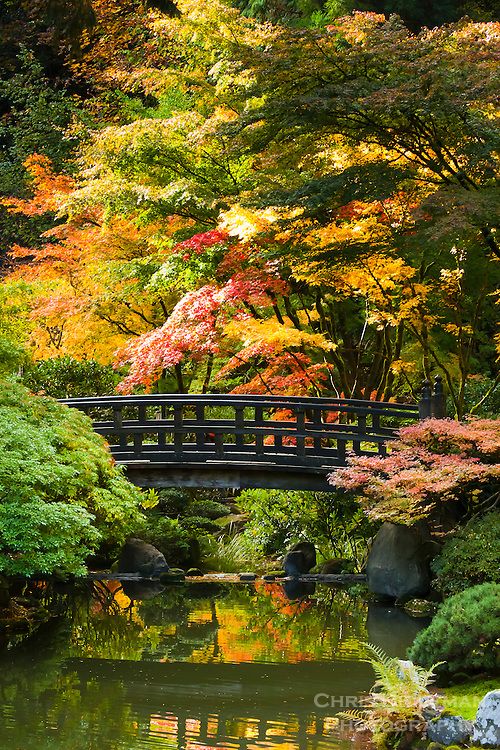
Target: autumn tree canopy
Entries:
(240, 206)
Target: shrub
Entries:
(435, 463)
(66, 377)
(178, 503)
(178, 544)
(334, 523)
(61, 495)
(471, 557)
(465, 632)
(194, 513)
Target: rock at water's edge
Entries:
(142, 558)
(398, 563)
(449, 730)
(487, 722)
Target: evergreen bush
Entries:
(465, 632)
(471, 557)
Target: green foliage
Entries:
(464, 633)
(278, 519)
(11, 357)
(38, 116)
(66, 377)
(397, 701)
(177, 543)
(470, 557)
(61, 496)
(181, 524)
(230, 554)
(463, 700)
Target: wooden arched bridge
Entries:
(283, 442)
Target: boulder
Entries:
(486, 730)
(449, 730)
(247, 576)
(300, 559)
(398, 563)
(142, 558)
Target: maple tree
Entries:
(434, 466)
(292, 212)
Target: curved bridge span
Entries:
(231, 441)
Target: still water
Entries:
(243, 667)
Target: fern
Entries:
(397, 701)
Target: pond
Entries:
(197, 666)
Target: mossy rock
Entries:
(435, 746)
(193, 572)
(420, 608)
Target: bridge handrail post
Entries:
(300, 416)
(178, 436)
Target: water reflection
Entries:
(200, 666)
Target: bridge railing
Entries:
(284, 431)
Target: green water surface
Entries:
(197, 666)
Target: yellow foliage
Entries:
(275, 334)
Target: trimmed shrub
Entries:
(471, 557)
(465, 632)
(66, 377)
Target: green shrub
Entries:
(208, 509)
(194, 513)
(177, 543)
(66, 377)
(465, 632)
(177, 503)
(333, 522)
(471, 557)
(60, 494)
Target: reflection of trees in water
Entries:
(49, 702)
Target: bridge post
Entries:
(432, 402)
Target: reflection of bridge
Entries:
(225, 441)
(240, 706)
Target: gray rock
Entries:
(141, 558)
(449, 730)
(247, 576)
(398, 563)
(300, 559)
(487, 722)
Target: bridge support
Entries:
(159, 475)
